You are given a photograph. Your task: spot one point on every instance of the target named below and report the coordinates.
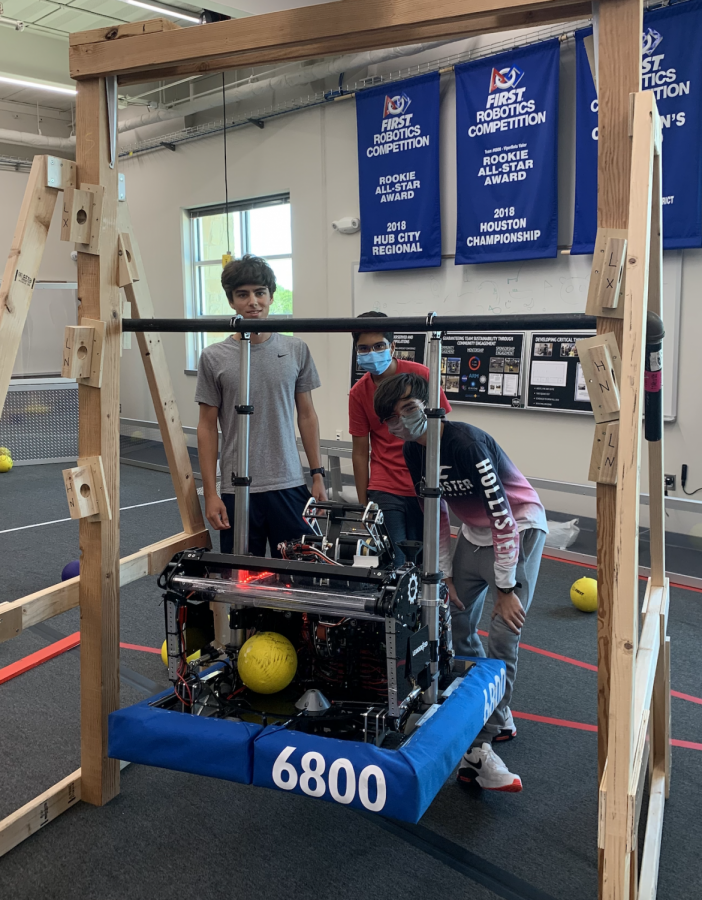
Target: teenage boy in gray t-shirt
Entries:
(283, 374)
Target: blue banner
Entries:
(398, 174)
(585, 218)
(507, 140)
(671, 66)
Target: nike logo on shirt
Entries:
(282, 354)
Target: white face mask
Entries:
(409, 427)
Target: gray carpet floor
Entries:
(170, 833)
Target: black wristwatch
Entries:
(509, 590)
(320, 471)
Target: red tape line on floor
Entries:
(140, 647)
(41, 656)
(73, 640)
(563, 723)
(574, 562)
(51, 652)
(584, 726)
(584, 665)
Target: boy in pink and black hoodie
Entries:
(498, 550)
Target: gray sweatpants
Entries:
(473, 576)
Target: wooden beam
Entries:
(22, 266)
(490, 24)
(59, 598)
(152, 560)
(619, 60)
(650, 858)
(308, 32)
(98, 435)
(119, 32)
(617, 869)
(161, 387)
(650, 645)
(656, 480)
(33, 816)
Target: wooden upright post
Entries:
(619, 75)
(99, 436)
(161, 387)
(619, 869)
(23, 263)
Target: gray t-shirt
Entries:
(280, 368)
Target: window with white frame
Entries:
(260, 227)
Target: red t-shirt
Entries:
(388, 471)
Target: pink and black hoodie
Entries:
(485, 490)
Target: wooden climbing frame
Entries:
(633, 650)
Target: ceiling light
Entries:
(37, 85)
(176, 14)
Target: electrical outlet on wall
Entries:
(338, 434)
(669, 481)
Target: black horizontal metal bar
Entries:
(533, 322)
(214, 561)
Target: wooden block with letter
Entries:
(601, 361)
(603, 462)
(77, 351)
(605, 296)
(82, 352)
(76, 217)
(85, 490)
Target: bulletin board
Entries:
(556, 382)
(528, 286)
(483, 368)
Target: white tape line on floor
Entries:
(54, 521)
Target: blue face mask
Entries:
(375, 362)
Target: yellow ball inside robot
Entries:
(267, 662)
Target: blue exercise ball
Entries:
(71, 570)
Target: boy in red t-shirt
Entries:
(390, 484)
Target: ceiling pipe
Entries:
(300, 76)
(28, 139)
(13, 23)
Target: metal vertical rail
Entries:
(241, 479)
(432, 503)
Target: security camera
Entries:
(349, 225)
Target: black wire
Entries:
(692, 493)
(226, 182)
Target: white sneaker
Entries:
(482, 766)
(509, 731)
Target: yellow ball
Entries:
(5, 452)
(584, 594)
(5, 463)
(267, 662)
(164, 654)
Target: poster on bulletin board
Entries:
(483, 368)
(506, 154)
(556, 380)
(407, 346)
(671, 67)
(398, 174)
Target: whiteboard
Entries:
(53, 306)
(529, 286)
